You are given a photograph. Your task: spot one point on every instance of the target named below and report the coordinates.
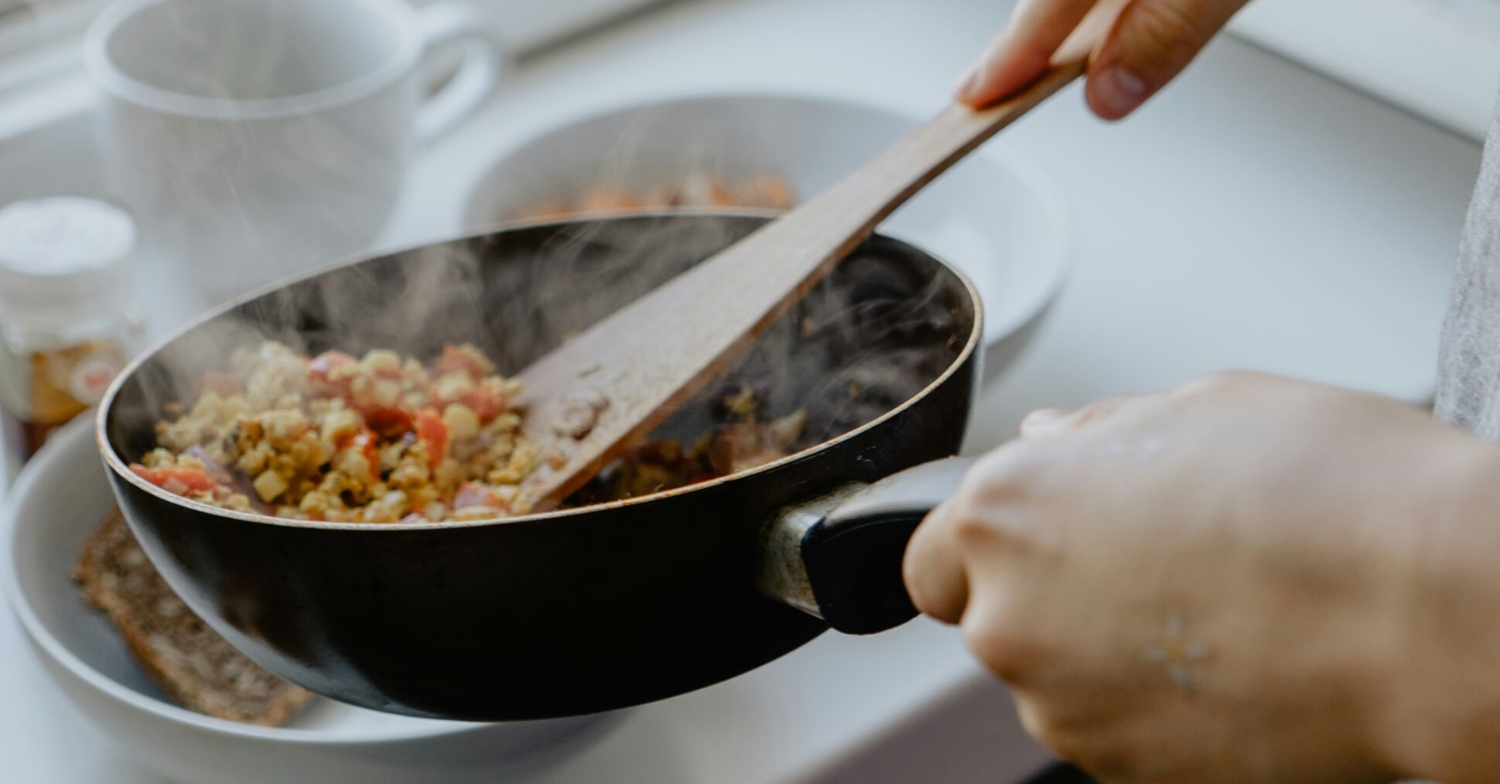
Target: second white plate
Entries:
(993, 216)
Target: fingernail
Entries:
(1119, 92)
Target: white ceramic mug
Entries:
(258, 138)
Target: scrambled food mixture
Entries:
(379, 439)
(387, 439)
(729, 449)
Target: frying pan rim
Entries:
(120, 469)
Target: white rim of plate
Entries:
(998, 326)
(51, 455)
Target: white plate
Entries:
(994, 216)
(57, 502)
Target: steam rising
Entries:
(881, 328)
(877, 331)
(249, 137)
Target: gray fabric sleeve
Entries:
(1469, 361)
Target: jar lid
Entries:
(60, 255)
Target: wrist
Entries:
(1440, 718)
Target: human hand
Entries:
(1210, 585)
(1147, 43)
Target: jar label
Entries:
(91, 376)
(43, 390)
(66, 381)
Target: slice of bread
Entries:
(189, 660)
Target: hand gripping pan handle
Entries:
(839, 557)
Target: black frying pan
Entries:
(589, 609)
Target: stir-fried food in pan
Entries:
(377, 439)
(665, 464)
(384, 439)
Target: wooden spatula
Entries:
(593, 397)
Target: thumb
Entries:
(1151, 42)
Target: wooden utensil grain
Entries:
(594, 396)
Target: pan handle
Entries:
(839, 557)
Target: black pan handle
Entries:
(1060, 773)
(839, 557)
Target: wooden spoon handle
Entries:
(592, 397)
(848, 213)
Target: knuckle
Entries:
(1111, 764)
(972, 530)
(1108, 750)
(1211, 383)
(1119, 411)
(1044, 420)
(984, 526)
(941, 606)
(997, 467)
(1166, 32)
(1079, 745)
(996, 499)
(1012, 657)
(1217, 383)
(996, 479)
(935, 572)
(1204, 385)
(1068, 745)
(1103, 409)
(1031, 714)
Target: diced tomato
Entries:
(388, 422)
(483, 402)
(455, 359)
(321, 370)
(432, 432)
(328, 374)
(177, 480)
(473, 496)
(221, 384)
(364, 441)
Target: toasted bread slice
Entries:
(191, 662)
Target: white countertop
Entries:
(1256, 216)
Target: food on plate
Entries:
(377, 439)
(187, 659)
(766, 191)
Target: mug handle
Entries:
(483, 63)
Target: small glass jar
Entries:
(68, 320)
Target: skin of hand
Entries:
(1323, 560)
(1143, 45)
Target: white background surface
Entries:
(1439, 58)
(1256, 216)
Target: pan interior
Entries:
(883, 326)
